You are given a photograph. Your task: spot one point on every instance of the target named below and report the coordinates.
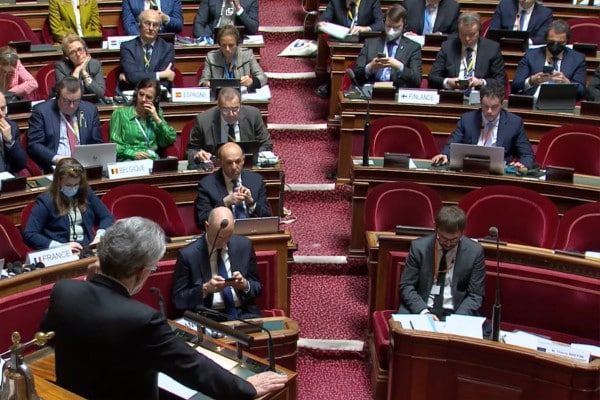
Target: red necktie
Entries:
(71, 133)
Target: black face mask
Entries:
(555, 48)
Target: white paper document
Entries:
(464, 325)
(420, 322)
(335, 30)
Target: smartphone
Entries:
(229, 279)
(463, 83)
(381, 55)
(548, 69)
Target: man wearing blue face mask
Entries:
(68, 212)
(390, 58)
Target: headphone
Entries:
(146, 83)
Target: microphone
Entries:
(222, 226)
(161, 300)
(270, 353)
(367, 128)
(497, 306)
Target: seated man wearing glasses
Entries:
(444, 272)
(230, 121)
(57, 125)
(147, 56)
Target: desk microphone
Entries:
(222, 226)
(161, 300)
(497, 306)
(367, 128)
(216, 313)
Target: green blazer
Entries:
(62, 18)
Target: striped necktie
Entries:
(147, 56)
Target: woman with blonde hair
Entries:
(14, 78)
(79, 64)
(73, 16)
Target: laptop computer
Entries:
(93, 42)
(216, 84)
(495, 155)
(518, 39)
(18, 107)
(96, 154)
(256, 226)
(558, 96)
(21, 46)
(163, 165)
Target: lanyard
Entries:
(230, 74)
(147, 133)
(353, 18)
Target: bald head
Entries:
(231, 158)
(215, 225)
(150, 23)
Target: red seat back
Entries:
(12, 247)
(32, 168)
(14, 29)
(346, 81)
(578, 229)
(585, 30)
(401, 135)
(111, 81)
(45, 78)
(105, 130)
(46, 34)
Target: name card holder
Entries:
(190, 95)
(416, 96)
(129, 169)
(54, 256)
(114, 42)
(564, 351)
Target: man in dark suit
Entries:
(492, 126)
(218, 13)
(523, 15)
(109, 346)
(59, 124)
(229, 121)
(467, 61)
(402, 61)
(444, 273)
(232, 186)
(147, 56)
(202, 269)
(566, 65)
(171, 15)
(426, 17)
(12, 156)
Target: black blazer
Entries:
(109, 346)
(506, 13)
(369, 14)
(445, 21)
(209, 12)
(12, 159)
(132, 61)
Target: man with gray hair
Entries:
(109, 346)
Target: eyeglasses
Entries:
(230, 110)
(67, 102)
(447, 240)
(76, 51)
(150, 24)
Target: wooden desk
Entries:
(441, 120)
(452, 186)
(466, 368)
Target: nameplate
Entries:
(114, 42)
(564, 351)
(54, 256)
(129, 169)
(190, 95)
(415, 96)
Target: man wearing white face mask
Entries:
(390, 58)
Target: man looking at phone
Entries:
(553, 63)
(390, 58)
(467, 61)
(218, 270)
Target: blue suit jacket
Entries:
(506, 13)
(12, 159)
(511, 135)
(210, 10)
(44, 225)
(212, 190)
(445, 21)
(132, 60)
(369, 14)
(572, 66)
(192, 270)
(133, 8)
(489, 64)
(44, 130)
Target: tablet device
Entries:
(18, 107)
(256, 226)
(557, 96)
(21, 46)
(165, 165)
(93, 42)
(460, 151)
(96, 154)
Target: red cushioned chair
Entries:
(521, 215)
(25, 213)
(401, 135)
(178, 80)
(346, 81)
(578, 229)
(585, 30)
(485, 27)
(400, 203)
(12, 247)
(46, 34)
(31, 168)
(13, 28)
(574, 146)
(199, 72)
(112, 80)
(45, 78)
(105, 130)
(184, 139)
(147, 201)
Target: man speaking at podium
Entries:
(445, 272)
(109, 346)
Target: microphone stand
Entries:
(367, 128)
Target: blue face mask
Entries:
(69, 191)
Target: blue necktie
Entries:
(227, 293)
(469, 70)
(239, 211)
(522, 20)
(428, 26)
(383, 74)
(147, 57)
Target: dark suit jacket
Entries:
(206, 133)
(44, 225)
(132, 60)
(572, 66)
(132, 9)
(12, 159)
(511, 135)
(109, 346)
(209, 13)
(506, 13)
(369, 14)
(408, 52)
(192, 270)
(44, 130)
(212, 190)
(489, 64)
(593, 92)
(445, 21)
(468, 277)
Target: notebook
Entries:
(96, 154)
(495, 154)
(558, 96)
(256, 226)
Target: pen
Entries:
(412, 326)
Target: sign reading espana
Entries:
(190, 95)
(129, 169)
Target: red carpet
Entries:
(294, 102)
(274, 44)
(280, 13)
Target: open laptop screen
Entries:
(495, 154)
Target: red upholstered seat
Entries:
(147, 201)
(585, 30)
(112, 80)
(31, 168)
(578, 229)
(522, 216)
(25, 213)
(401, 135)
(46, 80)
(46, 34)
(574, 146)
(346, 81)
(105, 130)
(12, 247)
(400, 203)
(14, 29)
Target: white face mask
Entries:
(392, 34)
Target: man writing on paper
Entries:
(109, 346)
(445, 272)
